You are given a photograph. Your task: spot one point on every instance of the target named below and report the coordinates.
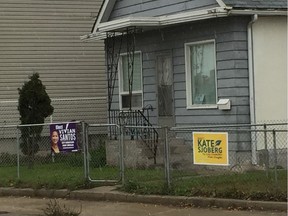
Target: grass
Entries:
(249, 185)
(54, 176)
(254, 185)
(54, 208)
(43, 176)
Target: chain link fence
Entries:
(254, 152)
(145, 157)
(27, 158)
(40, 168)
(103, 153)
(255, 162)
(250, 148)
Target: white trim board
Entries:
(119, 24)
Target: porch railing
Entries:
(142, 130)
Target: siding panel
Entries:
(44, 36)
(138, 8)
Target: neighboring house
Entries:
(43, 36)
(195, 62)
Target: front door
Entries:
(165, 90)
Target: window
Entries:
(136, 99)
(201, 90)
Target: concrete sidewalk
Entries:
(110, 193)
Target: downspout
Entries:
(252, 87)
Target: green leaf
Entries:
(218, 142)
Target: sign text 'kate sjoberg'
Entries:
(63, 137)
(210, 148)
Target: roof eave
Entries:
(120, 24)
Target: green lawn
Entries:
(249, 185)
(254, 185)
(43, 176)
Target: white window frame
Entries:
(120, 76)
(188, 74)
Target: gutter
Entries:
(252, 84)
(259, 12)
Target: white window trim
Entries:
(188, 74)
(120, 75)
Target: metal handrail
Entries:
(139, 126)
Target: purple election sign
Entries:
(63, 137)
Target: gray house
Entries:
(43, 36)
(195, 62)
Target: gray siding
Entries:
(44, 36)
(143, 8)
(232, 68)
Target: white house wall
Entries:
(270, 68)
(270, 76)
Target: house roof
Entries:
(226, 8)
(257, 4)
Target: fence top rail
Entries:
(230, 126)
(103, 125)
(228, 130)
(9, 126)
(32, 125)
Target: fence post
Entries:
(18, 153)
(84, 149)
(266, 153)
(253, 144)
(275, 156)
(88, 156)
(122, 169)
(167, 158)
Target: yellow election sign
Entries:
(210, 148)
